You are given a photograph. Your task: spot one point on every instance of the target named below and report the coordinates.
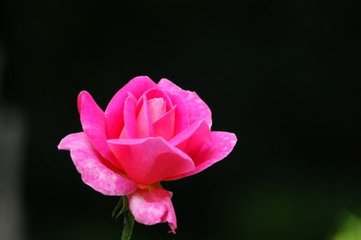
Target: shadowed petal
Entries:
(130, 128)
(114, 111)
(150, 160)
(191, 139)
(93, 123)
(93, 172)
(153, 205)
(215, 149)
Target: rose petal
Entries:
(144, 119)
(164, 126)
(192, 139)
(215, 149)
(149, 111)
(197, 109)
(157, 93)
(153, 205)
(93, 172)
(130, 128)
(150, 160)
(157, 108)
(181, 117)
(114, 111)
(93, 123)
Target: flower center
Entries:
(150, 111)
(156, 108)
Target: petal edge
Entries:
(153, 205)
(216, 149)
(93, 172)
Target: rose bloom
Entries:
(148, 133)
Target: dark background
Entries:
(282, 75)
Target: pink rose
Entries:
(148, 133)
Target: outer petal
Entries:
(153, 205)
(93, 172)
(92, 120)
(197, 109)
(114, 111)
(191, 139)
(149, 160)
(214, 150)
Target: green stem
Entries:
(119, 208)
(128, 221)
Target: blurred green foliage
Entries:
(350, 228)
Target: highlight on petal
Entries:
(157, 108)
(91, 166)
(197, 109)
(150, 111)
(114, 111)
(149, 160)
(157, 93)
(153, 205)
(214, 150)
(93, 123)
